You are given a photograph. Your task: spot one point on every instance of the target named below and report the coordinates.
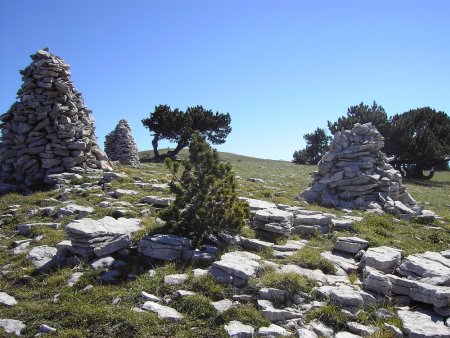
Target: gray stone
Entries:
(429, 267)
(44, 328)
(318, 219)
(306, 333)
(151, 297)
(236, 329)
(273, 331)
(291, 245)
(360, 329)
(418, 324)
(255, 204)
(103, 263)
(71, 209)
(382, 258)
(43, 257)
(235, 268)
(345, 334)
(351, 244)
(163, 312)
(12, 326)
(124, 192)
(254, 244)
(395, 331)
(165, 247)
(272, 294)
(223, 305)
(375, 280)
(75, 278)
(340, 262)
(175, 279)
(321, 329)
(182, 293)
(7, 300)
(346, 295)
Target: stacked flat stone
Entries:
(355, 173)
(120, 145)
(101, 237)
(49, 129)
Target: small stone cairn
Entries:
(48, 130)
(120, 145)
(355, 173)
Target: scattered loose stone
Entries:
(396, 332)
(255, 204)
(103, 263)
(236, 329)
(235, 268)
(149, 296)
(382, 258)
(428, 267)
(182, 293)
(44, 328)
(360, 329)
(223, 305)
(75, 278)
(306, 333)
(7, 300)
(321, 329)
(423, 324)
(345, 334)
(351, 244)
(163, 312)
(165, 247)
(273, 331)
(175, 279)
(71, 209)
(44, 257)
(12, 326)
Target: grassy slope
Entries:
(92, 314)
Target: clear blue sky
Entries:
(280, 68)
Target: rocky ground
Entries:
(90, 260)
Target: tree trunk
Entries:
(155, 147)
(181, 144)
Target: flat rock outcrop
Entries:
(120, 145)
(355, 173)
(49, 129)
(101, 237)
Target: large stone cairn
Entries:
(355, 173)
(120, 145)
(48, 130)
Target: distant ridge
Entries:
(224, 156)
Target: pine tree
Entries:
(206, 201)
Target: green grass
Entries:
(92, 314)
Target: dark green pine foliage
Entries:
(317, 144)
(206, 201)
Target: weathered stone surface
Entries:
(7, 300)
(423, 324)
(360, 329)
(341, 262)
(48, 130)
(236, 329)
(223, 305)
(306, 333)
(151, 297)
(163, 312)
(254, 244)
(273, 220)
(321, 329)
(272, 294)
(166, 247)
(175, 279)
(377, 281)
(12, 326)
(158, 201)
(382, 258)
(345, 334)
(291, 245)
(255, 204)
(317, 219)
(276, 315)
(273, 331)
(351, 244)
(429, 267)
(235, 268)
(124, 192)
(120, 145)
(43, 257)
(439, 296)
(75, 278)
(101, 237)
(103, 263)
(346, 295)
(72, 209)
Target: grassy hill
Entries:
(94, 309)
